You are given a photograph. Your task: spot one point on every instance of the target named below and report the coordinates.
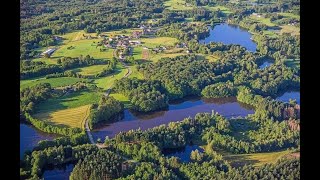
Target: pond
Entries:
(265, 64)
(58, 173)
(177, 111)
(230, 34)
(182, 153)
(30, 136)
(290, 95)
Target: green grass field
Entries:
(135, 73)
(71, 100)
(263, 20)
(270, 34)
(176, 5)
(290, 15)
(211, 58)
(73, 117)
(157, 57)
(91, 70)
(122, 99)
(158, 41)
(80, 46)
(54, 82)
(137, 53)
(107, 82)
(225, 10)
(256, 159)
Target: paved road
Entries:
(88, 131)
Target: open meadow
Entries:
(256, 159)
(177, 5)
(54, 82)
(72, 100)
(73, 117)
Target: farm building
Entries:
(48, 51)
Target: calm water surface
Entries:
(265, 64)
(177, 111)
(29, 137)
(182, 153)
(290, 95)
(58, 173)
(230, 34)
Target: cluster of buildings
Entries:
(147, 30)
(122, 41)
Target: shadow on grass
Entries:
(55, 104)
(240, 160)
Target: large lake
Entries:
(230, 34)
(228, 107)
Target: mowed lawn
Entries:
(54, 82)
(256, 159)
(176, 5)
(91, 70)
(73, 117)
(71, 100)
(107, 81)
(158, 41)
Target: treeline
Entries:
(102, 164)
(31, 96)
(267, 108)
(73, 140)
(147, 170)
(49, 128)
(184, 31)
(144, 95)
(33, 165)
(176, 134)
(219, 90)
(139, 151)
(31, 69)
(106, 111)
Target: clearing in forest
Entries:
(256, 159)
(177, 5)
